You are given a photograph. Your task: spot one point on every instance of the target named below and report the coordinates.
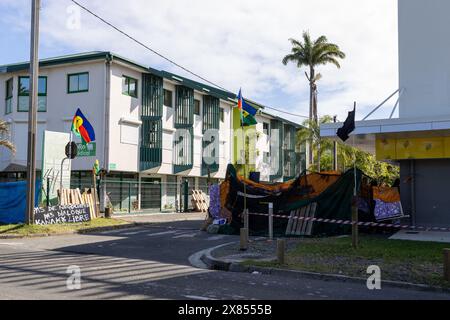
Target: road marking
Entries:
(185, 235)
(198, 298)
(160, 233)
(216, 238)
(11, 244)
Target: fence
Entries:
(151, 195)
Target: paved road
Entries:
(153, 263)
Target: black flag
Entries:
(349, 126)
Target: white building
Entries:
(419, 140)
(278, 158)
(137, 113)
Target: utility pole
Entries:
(32, 111)
(335, 162)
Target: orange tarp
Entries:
(386, 194)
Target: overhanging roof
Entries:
(366, 132)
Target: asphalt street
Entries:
(153, 262)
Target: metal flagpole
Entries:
(355, 231)
(246, 222)
(32, 117)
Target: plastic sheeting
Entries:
(13, 201)
(332, 192)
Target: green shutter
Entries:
(184, 119)
(184, 107)
(290, 157)
(151, 117)
(211, 121)
(277, 125)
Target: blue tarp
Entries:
(13, 201)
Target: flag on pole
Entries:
(82, 128)
(248, 111)
(348, 127)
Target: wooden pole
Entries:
(447, 264)
(244, 239)
(281, 250)
(32, 112)
(355, 231)
(271, 221)
(94, 183)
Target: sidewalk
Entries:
(261, 258)
(162, 217)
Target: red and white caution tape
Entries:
(361, 224)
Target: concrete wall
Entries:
(431, 179)
(424, 51)
(61, 108)
(124, 121)
(262, 146)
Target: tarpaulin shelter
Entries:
(13, 201)
(331, 191)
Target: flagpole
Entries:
(355, 231)
(245, 230)
(246, 218)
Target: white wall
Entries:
(124, 110)
(262, 145)
(424, 53)
(61, 108)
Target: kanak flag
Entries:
(82, 128)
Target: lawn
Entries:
(399, 260)
(27, 230)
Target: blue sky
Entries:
(233, 43)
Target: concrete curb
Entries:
(218, 264)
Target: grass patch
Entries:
(26, 230)
(399, 260)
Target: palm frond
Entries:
(4, 130)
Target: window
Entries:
(266, 128)
(8, 96)
(129, 86)
(24, 94)
(197, 107)
(168, 101)
(222, 115)
(78, 82)
(266, 157)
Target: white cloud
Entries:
(241, 43)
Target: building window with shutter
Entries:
(129, 86)
(24, 94)
(78, 82)
(197, 107)
(9, 96)
(168, 98)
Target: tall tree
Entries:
(310, 54)
(382, 172)
(4, 130)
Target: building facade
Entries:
(419, 140)
(154, 129)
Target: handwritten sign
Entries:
(76, 213)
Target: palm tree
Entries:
(312, 54)
(310, 133)
(4, 129)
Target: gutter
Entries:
(107, 110)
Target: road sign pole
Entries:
(32, 123)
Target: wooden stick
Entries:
(447, 264)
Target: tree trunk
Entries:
(311, 110)
(318, 157)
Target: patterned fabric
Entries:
(387, 210)
(214, 201)
(363, 205)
